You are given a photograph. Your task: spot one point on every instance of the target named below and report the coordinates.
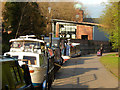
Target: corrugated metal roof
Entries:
(79, 23)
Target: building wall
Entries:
(92, 31)
(84, 30)
(57, 30)
(99, 35)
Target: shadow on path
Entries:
(70, 72)
(76, 61)
(83, 72)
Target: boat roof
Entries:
(53, 38)
(3, 59)
(27, 36)
(26, 40)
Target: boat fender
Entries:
(57, 65)
(44, 85)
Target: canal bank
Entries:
(84, 72)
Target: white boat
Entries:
(31, 51)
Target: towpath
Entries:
(84, 72)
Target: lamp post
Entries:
(50, 17)
(50, 39)
(50, 34)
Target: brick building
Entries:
(77, 30)
(80, 28)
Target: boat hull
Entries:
(38, 75)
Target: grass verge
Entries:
(111, 62)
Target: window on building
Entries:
(84, 37)
(68, 30)
(15, 74)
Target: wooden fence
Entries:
(89, 46)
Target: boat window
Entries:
(30, 60)
(16, 44)
(43, 60)
(31, 46)
(26, 44)
(32, 43)
(15, 74)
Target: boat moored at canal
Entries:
(34, 53)
(12, 76)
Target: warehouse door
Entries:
(84, 37)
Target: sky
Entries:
(94, 7)
(92, 1)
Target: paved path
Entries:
(84, 72)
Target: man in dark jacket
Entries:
(101, 49)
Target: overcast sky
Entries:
(94, 7)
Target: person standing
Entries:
(101, 49)
(67, 50)
(62, 48)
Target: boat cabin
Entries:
(33, 52)
(12, 76)
(28, 50)
(26, 44)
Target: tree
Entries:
(110, 19)
(23, 18)
(59, 10)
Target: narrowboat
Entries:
(56, 48)
(33, 52)
(12, 76)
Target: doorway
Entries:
(84, 37)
